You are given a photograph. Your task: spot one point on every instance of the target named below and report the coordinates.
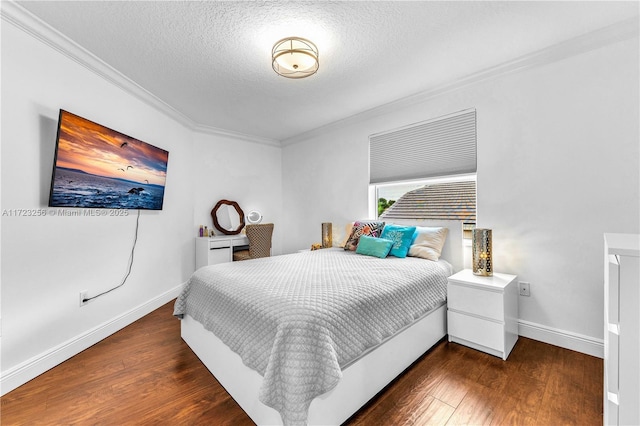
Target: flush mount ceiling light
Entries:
(295, 57)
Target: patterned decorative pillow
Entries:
(402, 237)
(428, 242)
(360, 228)
(371, 246)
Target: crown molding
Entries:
(614, 33)
(201, 128)
(40, 30)
(15, 14)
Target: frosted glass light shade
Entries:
(295, 57)
(481, 252)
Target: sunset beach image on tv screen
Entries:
(96, 167)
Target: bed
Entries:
(308, 338)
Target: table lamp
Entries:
(481, 252)
(326, 235)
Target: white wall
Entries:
(245, 172)
(47, 261)
(558, 165)
(325, 179)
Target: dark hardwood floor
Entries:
(145, 374)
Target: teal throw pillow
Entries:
(372, 246)
(402, 237)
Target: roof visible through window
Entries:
(452, 200)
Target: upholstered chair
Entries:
(259, 242)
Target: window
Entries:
(426, 171)
(451, 198)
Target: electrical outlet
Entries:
(83, 295)
(524, 289)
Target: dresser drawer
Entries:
(613, 291)
(611, 409)
(612, 366)
(219, 244)
(477, 330)
(489, 304)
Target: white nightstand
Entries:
(482, 312)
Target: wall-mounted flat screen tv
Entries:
(96, 167)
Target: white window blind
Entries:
(443, 146)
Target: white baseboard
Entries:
(565, 339)
(37, 365)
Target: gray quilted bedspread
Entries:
(298, 319)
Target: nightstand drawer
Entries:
(477, 330)
(489, 304)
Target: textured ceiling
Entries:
(211, 60)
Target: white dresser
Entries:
(210, 251)
(622, 329)
(482, 312)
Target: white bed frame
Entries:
(360, 381)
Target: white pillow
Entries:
(428, 242)
(340, 237)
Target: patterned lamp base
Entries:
(327, 235)
(482, 246)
